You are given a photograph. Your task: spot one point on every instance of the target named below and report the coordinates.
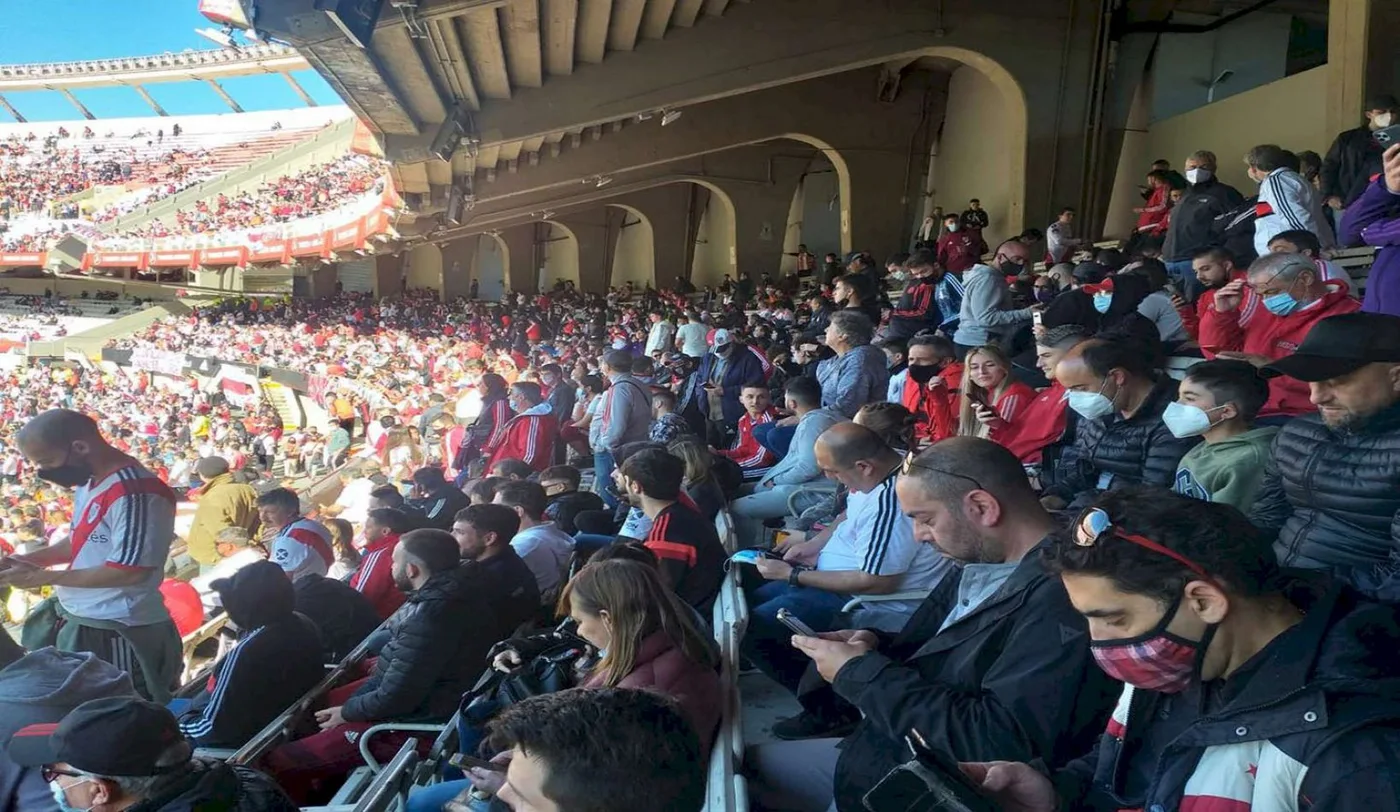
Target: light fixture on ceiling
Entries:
(545, 215)
(222, 37)
(644, 116)
(1220, 79)
(603, 180)
(669, 116)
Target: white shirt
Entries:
(546, 550)
(1294, 204)
(354, 500)
(660, 336)
(692, 335)
(876, 537)
(126, 521)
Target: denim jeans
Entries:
(768, 643)
(1184, 276)
(775, 438)
(433, 798)
(750, 511)
(603, 466)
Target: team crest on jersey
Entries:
(94, 510)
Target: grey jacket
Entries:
(626, 413)
(800, 464)
(852, 380)
(984, 316)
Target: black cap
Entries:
(120, 737)
(1339, 345)
(1381, 101)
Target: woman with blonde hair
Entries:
(401, 455)
(700, 483)
(991, 399)
(892, 421)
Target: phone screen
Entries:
(462, 761)
(791, 621)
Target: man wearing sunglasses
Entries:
(1247, 687)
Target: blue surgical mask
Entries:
(1280, 304)
(61, 798)
(1102, 301)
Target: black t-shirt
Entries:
(692, 558)
(509, 587)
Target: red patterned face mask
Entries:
(1156, 661)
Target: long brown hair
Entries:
(638, 605)
(968, 424)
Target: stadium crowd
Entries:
(993, 545)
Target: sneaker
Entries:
(806, 726)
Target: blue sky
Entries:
(62, 30)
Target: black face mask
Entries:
(68, 475)
(1009, 268)
(922, 374)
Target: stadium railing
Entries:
(726, 788)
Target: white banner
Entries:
(168, 363)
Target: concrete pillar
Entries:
(388, 275)
(458, 267)
(523, 275)
(877, 217)
(761, 181)
(1361, 58)
(667, 207)
(590, 229)
(321, 280)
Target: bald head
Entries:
(66, 447)
(844, 444)
(952, 467)
(57, 428)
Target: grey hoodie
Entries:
(800, 464)
(984, 317)
(41, 688)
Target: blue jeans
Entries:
(586, 544)
(1184, 276)
(603, 466)
(775, 438)
(768, 643)
(433, 798)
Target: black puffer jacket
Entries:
(213, 786)
(437, 648)
(1332, 496)
(1193, 220)
(1111, 453)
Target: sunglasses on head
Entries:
(911, 462)
(1095, 525)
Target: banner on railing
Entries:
(173, 259)
(224, 256)
(23, 259)
(115, 259)
(162, 361)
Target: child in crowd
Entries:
(1218, 401)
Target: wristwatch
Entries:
(792, 576)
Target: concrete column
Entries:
(459, 267)
(523, 275)
(321, 280)
(388, 275)
(1361, 58)
(761, 181)
(594, 256)
(667, 208)
(877, 217)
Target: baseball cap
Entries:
(116, 736)
(1339, 345)
(722, 337)
(1105, 286)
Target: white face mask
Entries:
(1184, 420)
(1383, 120)
(1090, 405)
(954, 226)
(1198, 175)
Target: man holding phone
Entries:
(1355, 155)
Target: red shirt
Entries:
(183, 603)
(375, 577)
(1041, 421)
(935, 410)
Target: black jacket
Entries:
(1353, 160)
(436, 650)
(440, 508)
(1111, 453)
(1013, 680)
(917, 310)
(508, 586)
(1312, 722)
(213, 786)
(1332, 496)
(344, 617)
(1193, 220)
(817, 324)
(564, 508)
(240, 698)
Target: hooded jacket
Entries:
(663, 668)
(41, 688)
(985, 316)
(743, 367)
(528, 437)
(222, 503)
(1229, 471)
(433, 655)
(1311, 722)
(343, 616)
(1374, 219)
(211, 785)
(241, 697)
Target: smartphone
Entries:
(791, 621)
(1387, 136)
(1036, 318)
(464, 762)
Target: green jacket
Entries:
(1229, 471)
(222, 503)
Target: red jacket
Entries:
(1273, 337)
(935, 411)
(528, 438)
(1011, 405)
(959, 250)
(662, 667)
(375, 577)
(1040, 422)
(746, 451)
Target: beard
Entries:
(964, 544)
(402, 583)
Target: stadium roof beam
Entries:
(223, 94)
(68, 94)
(160, 111)
(296, 86)
(10, 108)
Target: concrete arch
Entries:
(632, 255)
(561, 260)
(492, 267)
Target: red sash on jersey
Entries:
(84, 524)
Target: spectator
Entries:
(662, 335)
(343, 616)
(994, 666)
(692, 558)
(1218, 401)
(1183, 598)
(388, 497)
(700, 484)
(1355, 157)
(723, 373)
(119, 753)
(545, 548)
(935, 380)
(1375, 220)
(529, 436)
(1331, 490)
(430, 659)
(375, 576)
(434, 499)
(869, 551)
(483, 491)
(1044, 425)
(985, 317)
(891, 422)
(625, 415)
(1214, 268)
(753, 458)
(566, 501)
(222, 503)
(958, 249)
(931, 299)
(239, 699)
(352, 503)
(108, 599)
(40, 688)
(858, 292)
(1291, 299)
(301, 545)
(857, 374)
(820, 310)
(486, 428)
(666, 425)
(1299, 241)
(1193, 220)
(1120, 439)
(975, 217)
(1060, 240)
(992, 401)
(511, 470)
(1286, 201)
(347, 558)
(483, 534)
(771, 496)
(691, 335)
